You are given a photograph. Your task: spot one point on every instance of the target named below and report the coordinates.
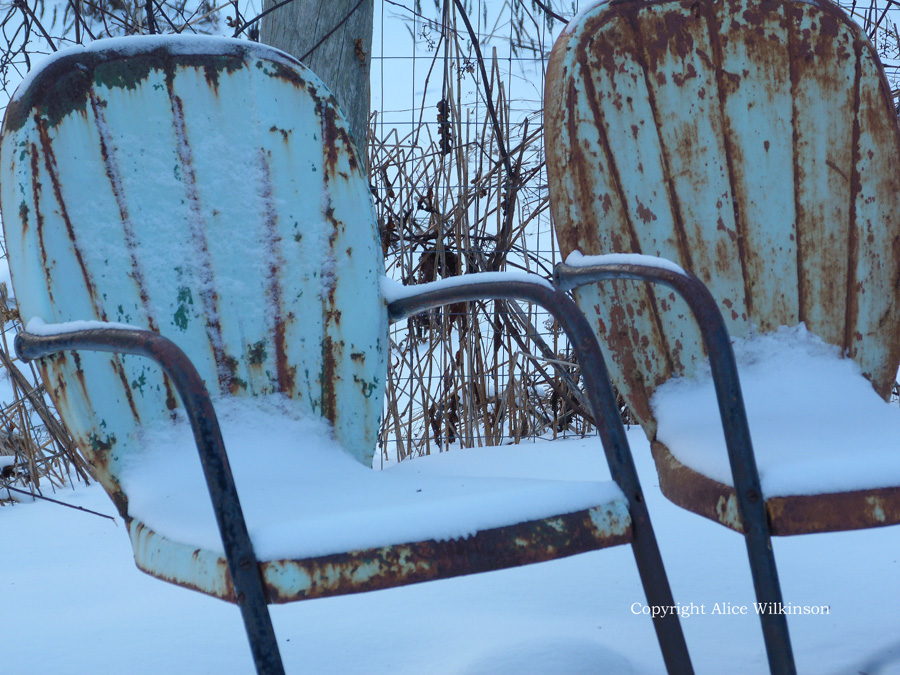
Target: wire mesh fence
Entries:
(459, 181)
(456, 163)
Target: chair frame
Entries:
(723, 367)
(250, 591)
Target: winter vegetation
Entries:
(455, 154)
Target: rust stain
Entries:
(334, 134)
(390, 566)
(834, 512)
(285, 372)
(726, 84)
(646, 215)
(330, 359)
(228, 380)
(53, 172)
(123, 377)
(36, 191)
(852, 301)
(624, 351)
(285, 133)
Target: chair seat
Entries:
(307, 501)
(825, 442)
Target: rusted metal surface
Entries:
(218, 163)
(755, 144)
(374, 569)
(207, 193)
(788, 152)
(695, 492)
(793, 514)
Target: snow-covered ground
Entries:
(73, 602)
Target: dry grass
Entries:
(464, 191)
(39, 448)
(460, 189)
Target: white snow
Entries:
(577, 259)
(816, 424)
(75, 603)
(37, 326)
(304, 495)
(394, 290)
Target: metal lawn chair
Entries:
(196, 207)
(755, 145)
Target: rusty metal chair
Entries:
(195, 206)
(755, 145)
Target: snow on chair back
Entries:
(206, 190)
(754, 143)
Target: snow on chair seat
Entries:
(322, 523)
(801, 398)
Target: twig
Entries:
(151, 22)
(23, 5)
(549, 11)
(5, 486)
(501, 146)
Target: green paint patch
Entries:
(366, 387)
(256, 353)
(140, 382)
(124, 73)
(181, 316)
(102, 444)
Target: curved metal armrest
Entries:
(405, 301)
(242, 562)
(721, 360)
(173, 361)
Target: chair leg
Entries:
(768, 592)
(621, 465)
(260, 632)
(658, 592)
(751, 505)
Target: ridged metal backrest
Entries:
(756, 144)
(206, 189)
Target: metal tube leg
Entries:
(609, 426)
(612, 433)
(261, 634)
(751, 505)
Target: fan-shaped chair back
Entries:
(754, 143)
(264, 255)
